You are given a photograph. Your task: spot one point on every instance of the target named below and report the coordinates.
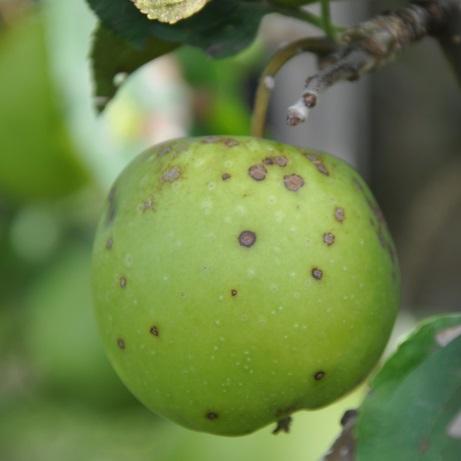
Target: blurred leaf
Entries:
(220, 99)
(222, 28)
(35, 233)
(49, 431)
(415, 400)
(62, 338)
(37, 155)
(107, 65)
(41, 430)
(170, 11)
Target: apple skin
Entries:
(238, 280)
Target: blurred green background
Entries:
(59, 398)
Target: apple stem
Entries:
(327, 25)
(320, 46)
(375, 42)
(283, 425)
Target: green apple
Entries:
(238, 280)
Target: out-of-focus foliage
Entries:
(38, 159)
(42, 430)
(220, 89)
(63, 344)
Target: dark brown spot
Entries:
(154, 331)
(146, 205)
(172, 174)
(318, 163)
(268, 161)
(112, 209)
(319, 375)
(225, 176)
(212, 415)
(279, 160)
(228, 142)
(257, 172)
(293, 182)
(340, 214)
(164, 151)
(317, 273)
(348, 416)
(122, 281)
(310, 100)
(234, 292)
(283, 425)
(211, 140)
(109, 243)
(247, 238)
(329, 238)
(322, 168)
(121, 343)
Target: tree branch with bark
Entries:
(364, 48)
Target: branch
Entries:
(450, 36)
(375, 42)
(344, 447)
(318, 46)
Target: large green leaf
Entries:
(222, 28)
(413, 411)
(107, 66)
(38, 158)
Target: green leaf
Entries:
(123, 18)
(113, 56)
(170, 11)
(222, 28)
(413, 411)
